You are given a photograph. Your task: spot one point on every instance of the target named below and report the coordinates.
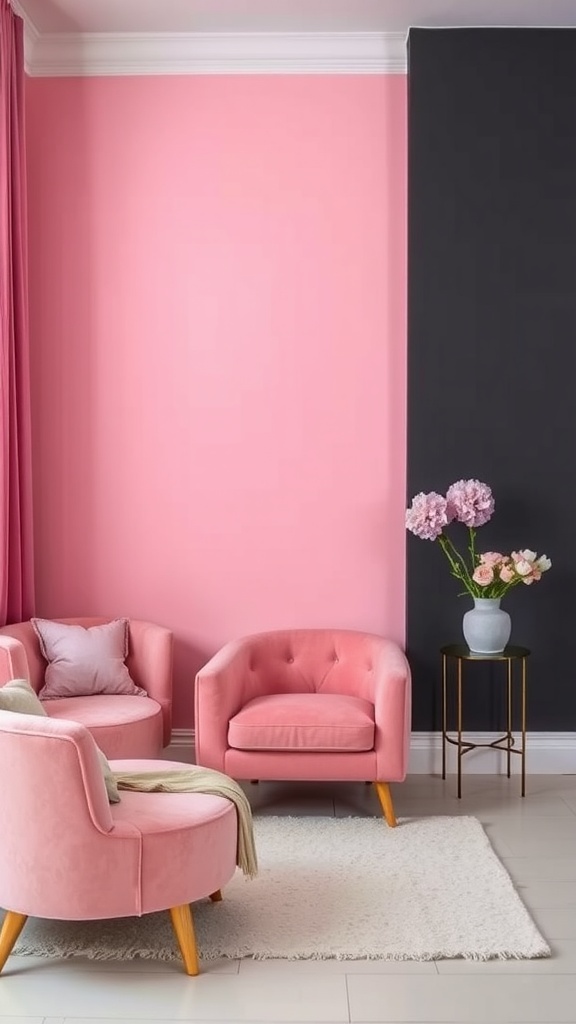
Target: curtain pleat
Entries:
(16, 527)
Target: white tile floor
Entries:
(536, 839)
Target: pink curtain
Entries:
(16, 552)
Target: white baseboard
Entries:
(181, 746)
(547, 753)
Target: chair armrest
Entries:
(221, 689)
(13, 660)
(392, 698)
(150, 663)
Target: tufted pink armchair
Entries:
(307, 704)
(69, 855)
(123, 726)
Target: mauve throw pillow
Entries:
(83, 662)
(17, 695)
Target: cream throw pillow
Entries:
(19, 696)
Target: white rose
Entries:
(528, 555)
(543, 563)
(523, 567)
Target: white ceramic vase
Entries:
(486, 626)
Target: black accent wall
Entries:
(492, 342)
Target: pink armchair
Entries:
(123, 726)
(67, 854)
(307, 704)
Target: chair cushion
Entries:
(84, 661)
(122, 726)
(303, 721)
(17, 695)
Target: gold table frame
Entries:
(461, 653)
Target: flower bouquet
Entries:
(487, 575)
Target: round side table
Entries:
(460, 654)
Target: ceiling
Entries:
(236, 16)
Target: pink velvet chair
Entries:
(307, 704)
(67, 854)
(123, 726)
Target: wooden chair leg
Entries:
(385, 798)
(216, 896)
(183, 926)
(11, 928)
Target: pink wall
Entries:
(218, 350)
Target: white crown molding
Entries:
(31, 33)
(547, 753)
(197, 53)
(17, 8)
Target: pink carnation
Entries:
(426, 517)
(483, 574)
(470, 502)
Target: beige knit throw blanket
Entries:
(195, 779)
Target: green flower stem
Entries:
(472, 547)
(443, 541)
(458, 564)
(459, 568)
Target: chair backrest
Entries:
(36, 663)
(53, 801)
(315, 660)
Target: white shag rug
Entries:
(336, 888)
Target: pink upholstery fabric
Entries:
(364, 666)
(84, 661)
(18, 696)
(67, 854)
(13, 662)
(122, 726)
(202, 830)
(303, 721)
(149, 662)
(301, 765)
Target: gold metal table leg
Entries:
(444, 722)
(459, 728)
(509, 723)
(523, 754)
